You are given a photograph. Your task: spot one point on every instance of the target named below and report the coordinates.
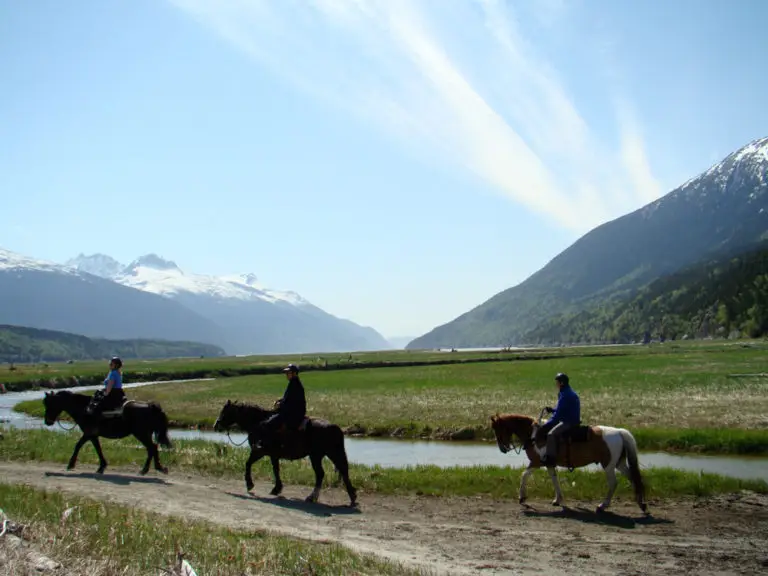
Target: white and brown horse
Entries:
(613, 448)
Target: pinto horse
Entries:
(138, 418)
(317, 440)
(613, 448)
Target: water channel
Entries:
(389, 453)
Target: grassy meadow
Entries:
(58, 374)
(220, 460)
(103, 539)
(672, 396)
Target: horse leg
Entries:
(317, 466)
(276, 472)
(151, 447)
(342, 465)
(159, 467)
(254, 457)
(100, 454)
(523, 481)
(610, 474)
(558, 501)
(73, 459)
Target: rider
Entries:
(112, 396)
(565, 416)
(292, 407)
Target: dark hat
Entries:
(291, 368)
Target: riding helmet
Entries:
(562, 378)
(117, 361)
(291, 368)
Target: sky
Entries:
(396, 162)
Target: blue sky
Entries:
(396, 162)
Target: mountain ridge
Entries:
(724, 207)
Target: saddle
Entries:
(118, 412)
(283, 428)
(577, 434)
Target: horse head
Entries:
(507, 426)
(227, 417)
(53, 407)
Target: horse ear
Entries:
(229, 402)
(494, 418)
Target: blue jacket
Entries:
(568, 407)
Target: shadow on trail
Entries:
(112, 478)
(317, 509)
(588, 516)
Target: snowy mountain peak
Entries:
(250, 279)
(13, 261)
(154, 262)
(96, 264)
(152, 273)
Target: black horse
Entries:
(138, 418)
(319, 439)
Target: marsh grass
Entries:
(660, 394)
(212, 459)
(102, 539)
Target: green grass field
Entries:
(212, 459)
(103, 539)
(24, 376)
(672, 397)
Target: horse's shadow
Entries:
(112, 478)
(588, 516)
(315, 509)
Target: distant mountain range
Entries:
(721, 213)
(153, 298)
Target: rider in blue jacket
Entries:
(565, 416)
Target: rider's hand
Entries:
(549, 409)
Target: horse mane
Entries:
(511, 418)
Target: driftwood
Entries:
(13, 549)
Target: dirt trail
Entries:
(727, 535)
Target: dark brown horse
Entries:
(141, 419)
(613, 448)
(317, 440)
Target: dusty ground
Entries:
(726, 535)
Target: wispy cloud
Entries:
(457, 80)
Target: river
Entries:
(389, 453)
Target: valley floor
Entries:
(722, 535)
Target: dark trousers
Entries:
(102, 402)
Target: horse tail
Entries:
(160, 425)
(630, 448)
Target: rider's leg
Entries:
(553, 438)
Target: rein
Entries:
(234, 443)
(74, 425)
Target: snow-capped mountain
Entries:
(256, 319)
(46, 295)
(96, 264)
(722, 211)
(151, 273)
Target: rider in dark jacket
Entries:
(292, 407)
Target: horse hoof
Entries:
(70, 467)
(556, 503)
(163, 470)
(521, 500)
(600, 509)
(100, 471)
(143, 472)
(276, 491)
